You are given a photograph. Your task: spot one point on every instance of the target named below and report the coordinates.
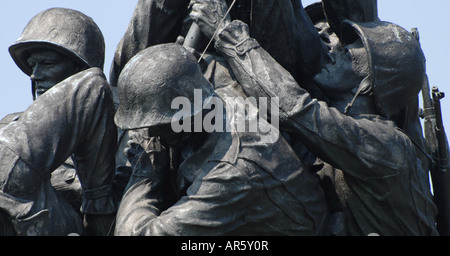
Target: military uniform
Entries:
(72, 119)
(281, 27)
(48, 132)
(228, 183)
(390, 190)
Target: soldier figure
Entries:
(226, 181)
(353, 106)
(62, 50)
(366, 86)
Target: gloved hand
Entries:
(208, 14)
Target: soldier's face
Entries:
(49, 68)
(349, 66)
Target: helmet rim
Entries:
(67, 31)
(18, 52)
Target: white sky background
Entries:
(112, 16)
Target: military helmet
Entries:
(396, 61)
(65, 30)
(152, 79)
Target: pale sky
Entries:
(112, 16)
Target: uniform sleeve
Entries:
(361, 147)
(75, 117)
(214, 205)
(153, 22)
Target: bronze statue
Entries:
(239, 118)
(227, 182)
(155, 22)
(72, 115)
(353, 132)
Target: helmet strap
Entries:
(364, 88)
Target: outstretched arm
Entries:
(281, 27)
(362, 147)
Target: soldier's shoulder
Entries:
(93, 72)
(9, 119)
(90, 76)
